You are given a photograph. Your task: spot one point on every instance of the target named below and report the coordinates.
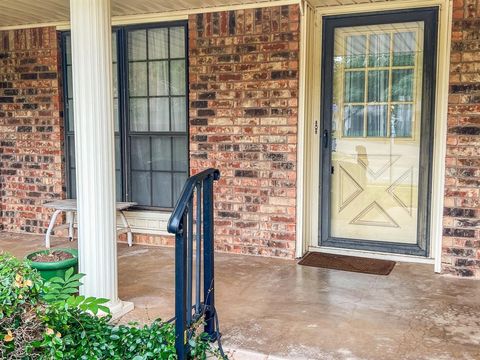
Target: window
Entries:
(150, 110)
(377, 71)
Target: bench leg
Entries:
(70, 221)
(50, 228)
(127, 227)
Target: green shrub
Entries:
(47, 320)
(20, 286)
(20, 290)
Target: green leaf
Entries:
(105, 309)
(69, 273)
(75, 284)
(57, 279)
(101, 301)
(69, 291)
(79, 299)
(76, 277)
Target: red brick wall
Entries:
(461, 241)
(31, 170)
(243, 121)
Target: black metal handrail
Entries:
(198, 187)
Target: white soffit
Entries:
(330, 3)
(24, 13)
(29, 12)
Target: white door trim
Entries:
(308, 188)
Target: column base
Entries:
(120, 308)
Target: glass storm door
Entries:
(376, 131)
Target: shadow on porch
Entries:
(275, 307)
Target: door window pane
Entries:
(356, 50)
(382, 82)
(355, 86)
(377, 85)
(401, 121)
(404, 45)
(353, 120)
(402, 85)
(377, 120)
(379, 53)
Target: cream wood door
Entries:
(374, 138)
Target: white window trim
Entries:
(148, 222)
(145, 221)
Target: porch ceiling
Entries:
(30, 12)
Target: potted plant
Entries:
(54, 262)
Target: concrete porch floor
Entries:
(280, 309)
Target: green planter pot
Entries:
(49, 270)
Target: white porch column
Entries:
(94, 149)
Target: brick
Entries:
(461, 238)
(250, 83)
(198, 104)
(286, 74)
(469, 130)
(31, 171)
(6, 99)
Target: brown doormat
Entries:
(347, 263)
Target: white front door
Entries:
(377, 134)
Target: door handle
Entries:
(325, 138)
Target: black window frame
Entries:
(123, 110)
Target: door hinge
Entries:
(332, 170)
(315, 127)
